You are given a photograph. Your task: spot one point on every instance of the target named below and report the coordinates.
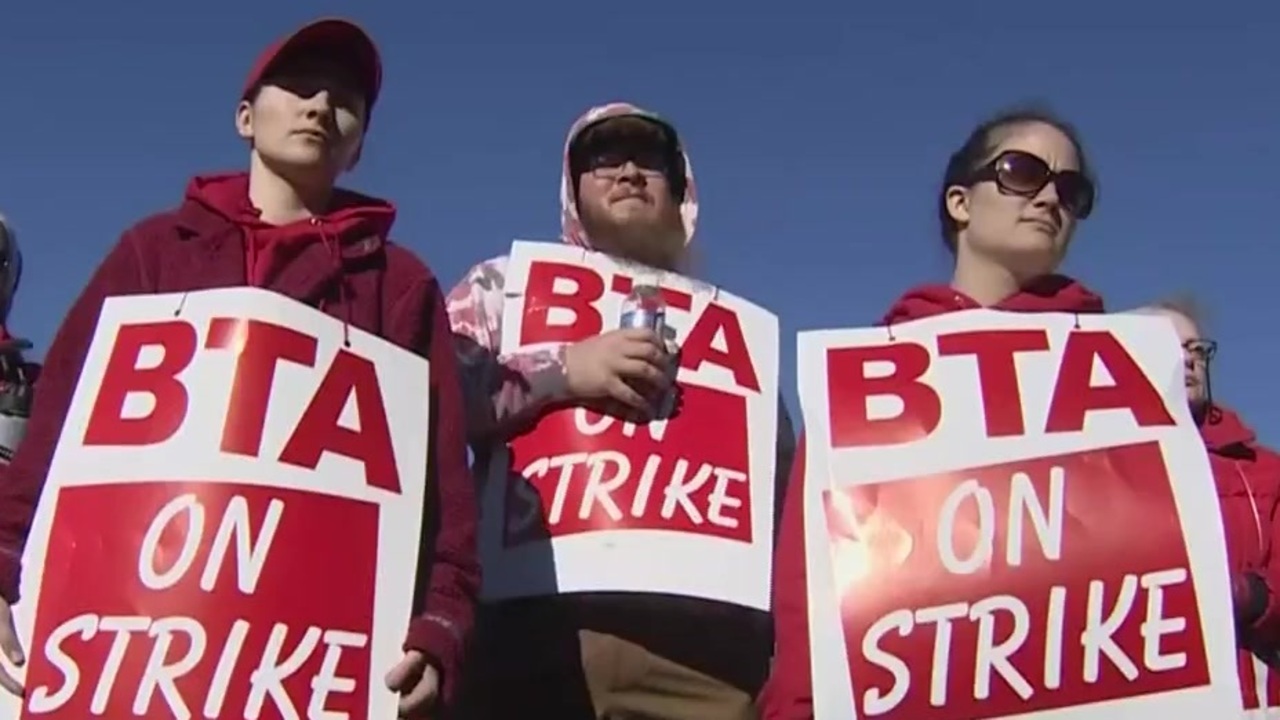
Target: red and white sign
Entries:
(1009, 515)
(680, 505)
(229, 525)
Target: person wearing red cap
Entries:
(284, 226)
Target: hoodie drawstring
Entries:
(1253, 503)
(335, 252)
(251, 258)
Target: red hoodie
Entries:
(1247, 476)
(341, 263)
(788, 694)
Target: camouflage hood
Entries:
(572, 231)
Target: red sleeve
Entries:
(788, 693)
(119, 274)
(449, 573)
(1266, 629)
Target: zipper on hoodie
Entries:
(1253, 502)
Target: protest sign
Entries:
(230, 523)
(1011, 514)
(585, 501)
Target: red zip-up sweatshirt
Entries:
(788, 694)
(341, 263)
(1247, 476)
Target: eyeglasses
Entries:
(1021, 173)
(609, 164)
(1201, 349)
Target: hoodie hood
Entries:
(356, 225)
(1052, 293)
(10, 269)
(10, 277)
(571, 230)
(1222, 428)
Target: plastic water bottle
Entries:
(644, 308)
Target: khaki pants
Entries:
(627, 682)
(602, 678)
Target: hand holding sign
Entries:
(663, 495)
(609, 366)
(418, 683)
(12, 649)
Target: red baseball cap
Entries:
(336, 36)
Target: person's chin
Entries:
(1028, 254)
(299, 165)
(629, 208)
(1035, 238)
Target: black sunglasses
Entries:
(1021, 173)
(608, 161)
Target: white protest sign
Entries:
(230, 523)
(680, 505)
(1011, 515)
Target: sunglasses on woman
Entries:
(1021, 173)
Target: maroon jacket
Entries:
(1247, 476)
(341, 263)
(788, 694)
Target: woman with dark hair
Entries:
(1009, 203)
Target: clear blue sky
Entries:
(818, 131)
